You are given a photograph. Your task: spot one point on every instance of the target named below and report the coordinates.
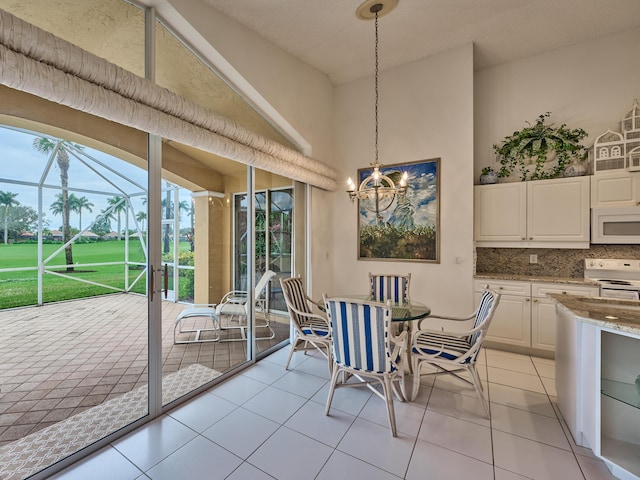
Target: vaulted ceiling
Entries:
(327, 34)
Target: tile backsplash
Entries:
(556, 262)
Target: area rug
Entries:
(37, 451)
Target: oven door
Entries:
(615, 225)
(623, 294)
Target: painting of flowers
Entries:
(402, 227)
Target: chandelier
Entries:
(377, 191)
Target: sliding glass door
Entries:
(274, 249)
(114, 233)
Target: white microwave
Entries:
(615, 225)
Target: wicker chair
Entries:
(364, 349)
(310, 330)
(452, 352)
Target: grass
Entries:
(21, 288)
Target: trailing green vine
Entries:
(536, 144)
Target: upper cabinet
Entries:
(543, 213)
(615, 190)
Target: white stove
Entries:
(617, 278)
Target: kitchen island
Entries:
(597, 363)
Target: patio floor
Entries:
(60, 359)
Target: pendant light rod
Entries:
(378, 191)
(375, 9)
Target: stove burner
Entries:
(616, 282)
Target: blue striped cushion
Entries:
(359, 333)
(318, 332)
(389, 287)
(295, 296)
(486, 301)
(452, 347)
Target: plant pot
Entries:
(488, 178)
(575, 170)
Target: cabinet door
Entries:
(511, 322)
(500, 212)
(558, 210)
(543, 324)
(543, 311)
(615, 190)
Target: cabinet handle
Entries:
(564, 293)
(500, 288)
(530, 238)
(527, 299)
(524, 238)
(535, 300)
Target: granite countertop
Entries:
(613, 313)
(538, 278)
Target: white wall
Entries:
(426, 111)
(590, 85)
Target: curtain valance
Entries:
(37, 62)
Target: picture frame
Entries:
(405, 229)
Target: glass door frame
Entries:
(236, 282)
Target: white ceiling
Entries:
(327, 35)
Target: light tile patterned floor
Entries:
(269, 423)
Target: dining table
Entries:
(406, 316)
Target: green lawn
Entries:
(20, 288)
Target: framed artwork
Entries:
(402, 228)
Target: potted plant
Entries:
(539, 144)
(488, 175)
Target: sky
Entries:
(20, 161)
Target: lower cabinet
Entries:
(526, 317)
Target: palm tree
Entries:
(7, 199)
(118, 207)
(56, 206)
(183, 206)
(141, 217)
(58, 147)
(82, 203)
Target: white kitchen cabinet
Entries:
(526, 317)
(543, 213)
(596, 369)
(543, 311)
(615, 190)
(511, 323)
(501, 212)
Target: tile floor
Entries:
(269, 423)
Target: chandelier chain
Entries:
(376, 86)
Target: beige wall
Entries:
(295, 93)
(426, 111)
(590, 85)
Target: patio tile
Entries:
(74, 375)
